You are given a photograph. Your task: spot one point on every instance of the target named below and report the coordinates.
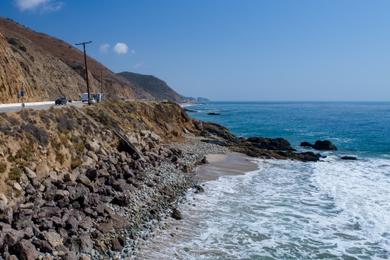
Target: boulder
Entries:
(43, 246)
(198, 188)
(120, 185)
(6, 214)
(217, 130)
(17, 186)
(92, 146)
(86, 223)
(25, 250)
(84, 180)
(307, 156)
(348, 158)
(72, 223)
(93, 155)
(12, 236)
(176, 214)
(324, 145)
(105, 227)
(278, 144)
(92, 174)
(53, 238)
(3, 199)
(121, 200)
(30, 173)
(306, 144)
(82, 243)
(117, 244)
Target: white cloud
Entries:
(121, 48)
(104, 48)
(43, 5)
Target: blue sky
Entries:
(231, 49)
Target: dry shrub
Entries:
(15, 174)
(65, 124)
(38, 133)
(3, 167)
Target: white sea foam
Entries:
(286, 209)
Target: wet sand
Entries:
(224, 164)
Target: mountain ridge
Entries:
(47, 67)
(158, 88)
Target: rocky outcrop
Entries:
(213, 114)
(348, 158)
(279, 144)
(320, 145)
(276, 148)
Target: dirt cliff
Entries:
(47, 67)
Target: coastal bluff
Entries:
(46, 68)
(91, 181)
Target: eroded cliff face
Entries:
(58, 139)
(42, 76)
(48, 67)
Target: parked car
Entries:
(61, 101)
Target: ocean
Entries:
(332, 209)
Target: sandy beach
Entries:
(219, 165)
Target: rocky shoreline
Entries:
(96, 198)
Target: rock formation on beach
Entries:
(277, 148)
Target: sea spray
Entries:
(286, 210)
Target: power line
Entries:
(86, 69)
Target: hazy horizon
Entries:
(232, 50)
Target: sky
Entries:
(238, 50)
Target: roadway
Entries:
(15, 107)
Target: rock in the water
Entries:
(308, 156)
(325, 145)
(213, 114)
(306, 144)
(198, 188)
(176, 214)
(348, 158)
(278, 144)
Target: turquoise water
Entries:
(354, 127)
(332, 209)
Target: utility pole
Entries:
(101, 81)
(86, 69)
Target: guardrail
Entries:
(28, 104)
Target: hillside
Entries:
(157, 88)
(47, 67)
